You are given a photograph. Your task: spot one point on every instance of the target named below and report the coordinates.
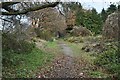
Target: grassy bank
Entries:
(26, 65)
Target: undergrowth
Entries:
(26, 65)
(109, 61)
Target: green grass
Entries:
(26, 65)
(76, 48)
(52, 45)
(97, 74)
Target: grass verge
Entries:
(25, 65)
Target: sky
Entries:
(98, 4)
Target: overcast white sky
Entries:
(98, 4)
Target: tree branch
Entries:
(4, 4)
(31, 9)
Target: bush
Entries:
(26, 65)
(11, 45)
(109, 61)
(43, 34)
(75, 39)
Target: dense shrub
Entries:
(11, 45)
(26, 65)
(109, 61)
(74, 39)
(43, 34)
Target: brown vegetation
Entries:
(49, 20)
(81, 31)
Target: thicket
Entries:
(44, 34)
(109, 60)
(11, 45)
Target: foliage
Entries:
(109, 61)
(10, 46)
(26, 65)
(112, 8)
(10, 42)
(74, 39)
(75, 5)
(72, 6)
(104, 15)
(43, 34)
(21, 58)
(97, 74)
(90, 19)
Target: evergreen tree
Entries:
(111, 9)
(94, 11)
(103, 15)
(90, 19)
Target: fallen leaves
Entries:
(63, 67)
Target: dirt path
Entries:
(66, 50)
(66, 63)
(65, 66)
